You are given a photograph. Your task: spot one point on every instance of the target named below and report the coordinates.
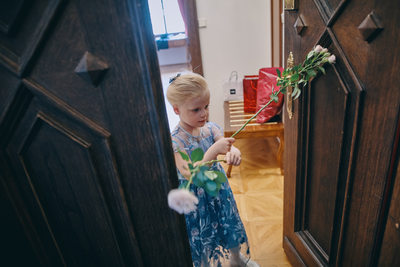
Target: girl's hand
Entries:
(223, 145)
(233, 157)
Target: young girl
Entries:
(216, 232)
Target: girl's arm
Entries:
(223, 146)
(182, 165)
(233, 156)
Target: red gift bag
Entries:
(250, 93)
(265, 86)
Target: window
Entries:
(166, 17)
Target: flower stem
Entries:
(190, 181)
(202, 164)
(258, 112)
(212, 161)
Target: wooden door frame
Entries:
(276, 19)
(192, 27)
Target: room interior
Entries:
(360, 223)
(257, 183)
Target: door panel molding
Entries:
(319, 181)
(354, 92)
(385, 251)
(342, 212)
(291, 252)
(115, 136)
(17, 52)
(11, 17)
(349, 92)
(330, 11)
(44, 111)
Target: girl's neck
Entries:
(194, 131)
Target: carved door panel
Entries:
(85, 160)
(340, 156)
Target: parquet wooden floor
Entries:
(258, 189)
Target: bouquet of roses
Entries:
(296, 77)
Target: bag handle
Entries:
(233, 73)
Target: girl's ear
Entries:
(176, 109)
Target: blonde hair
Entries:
(186, 86)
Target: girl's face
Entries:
(193, 113)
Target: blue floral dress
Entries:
(215, 227)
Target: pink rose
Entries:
(182, 201)
(318, 48)
(332, 59)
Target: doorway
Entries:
(257, 183)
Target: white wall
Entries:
(236, 37)
(173, 55)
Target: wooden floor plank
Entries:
(257, 185)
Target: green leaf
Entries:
(197, 155)
(211, 185)
(274, 98)
(278, 72)
(294, 77)
(199, 179)
(211, 188)
(296, 93)
(184, 156)
(311, 73)
(322, 69)
(203, 178)
(211, 175)
(204, 168)
(183, 184)
(190, 166)
(218, 187)
(310, 54)
(197, 182)
(221, 177)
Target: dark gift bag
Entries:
(265, 86)
(250, 93)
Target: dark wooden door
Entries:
(85, 160)
(341, 152)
